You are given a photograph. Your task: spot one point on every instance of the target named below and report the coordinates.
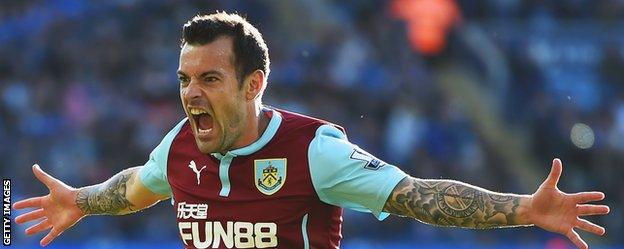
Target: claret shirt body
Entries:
(285, 190)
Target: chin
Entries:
(205, 148)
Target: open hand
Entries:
(561, 212)
(56, 211)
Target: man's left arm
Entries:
(453, 203)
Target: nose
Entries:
(192, 91)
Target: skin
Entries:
(457, 204)
(208, 81)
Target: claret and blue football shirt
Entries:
(285, 190)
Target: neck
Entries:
(257, 123)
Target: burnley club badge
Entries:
(270, 174)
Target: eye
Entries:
(183, 80)
(210, 79)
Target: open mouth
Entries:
(203, 120)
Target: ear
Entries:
(255, 85)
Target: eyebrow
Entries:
(204, 74)
(212, 72)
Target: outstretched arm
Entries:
(453, 203)
(121, 194)
(64, 205)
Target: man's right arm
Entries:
(132, 189)
(64, 206)
(121, 194)
(128, 191)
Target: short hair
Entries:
(250, 50)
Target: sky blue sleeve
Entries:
(154, 173)
(347, 176)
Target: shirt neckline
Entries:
(267, 135)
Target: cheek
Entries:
(233, 115)
(235, 118)
(228, 107)
(182, 93)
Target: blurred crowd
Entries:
(89, 88)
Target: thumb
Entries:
(555, 173)
(44, 177)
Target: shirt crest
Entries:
(270, 174)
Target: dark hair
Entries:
(250, 51)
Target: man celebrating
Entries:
(244, 175)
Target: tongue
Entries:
(204, 121)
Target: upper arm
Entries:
(138, 194)
(153, 175)
(345, 175)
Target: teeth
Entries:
(196, 111)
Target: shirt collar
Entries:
(269, 133)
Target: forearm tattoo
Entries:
(452, 203)
(108, 197)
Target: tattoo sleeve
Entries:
(453, 203)
(108, 197)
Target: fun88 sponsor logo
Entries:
(235, 234)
